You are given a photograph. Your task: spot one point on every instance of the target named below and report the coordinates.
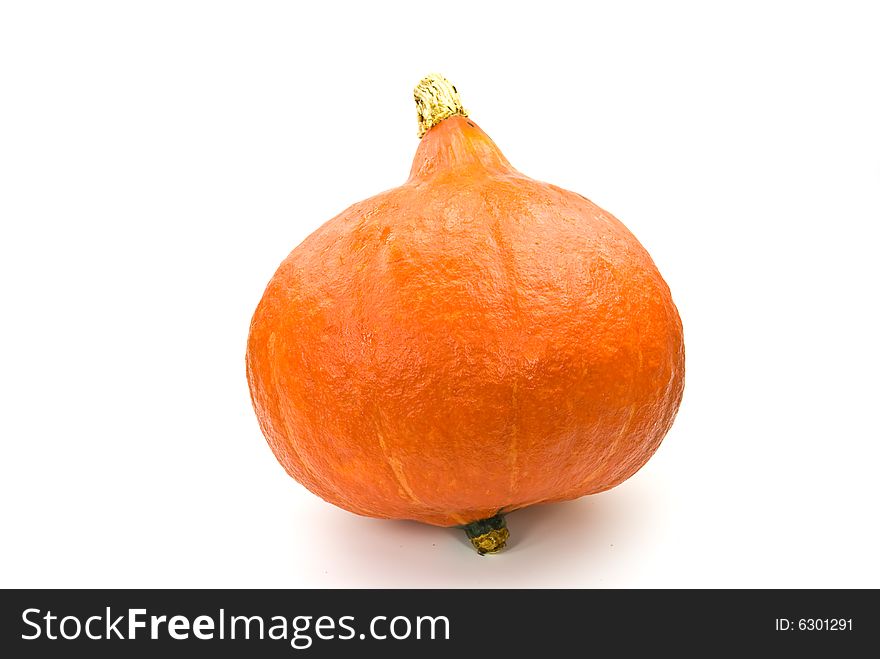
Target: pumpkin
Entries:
(465, 345)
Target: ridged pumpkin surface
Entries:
(469, 343)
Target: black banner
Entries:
(289, 623)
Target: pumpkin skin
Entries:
(467, 344)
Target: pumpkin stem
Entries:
(436, 100)
(488, 536)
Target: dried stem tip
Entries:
(488, 536)
(436, 100)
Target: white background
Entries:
(158, 160)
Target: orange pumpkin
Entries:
(465, 345)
